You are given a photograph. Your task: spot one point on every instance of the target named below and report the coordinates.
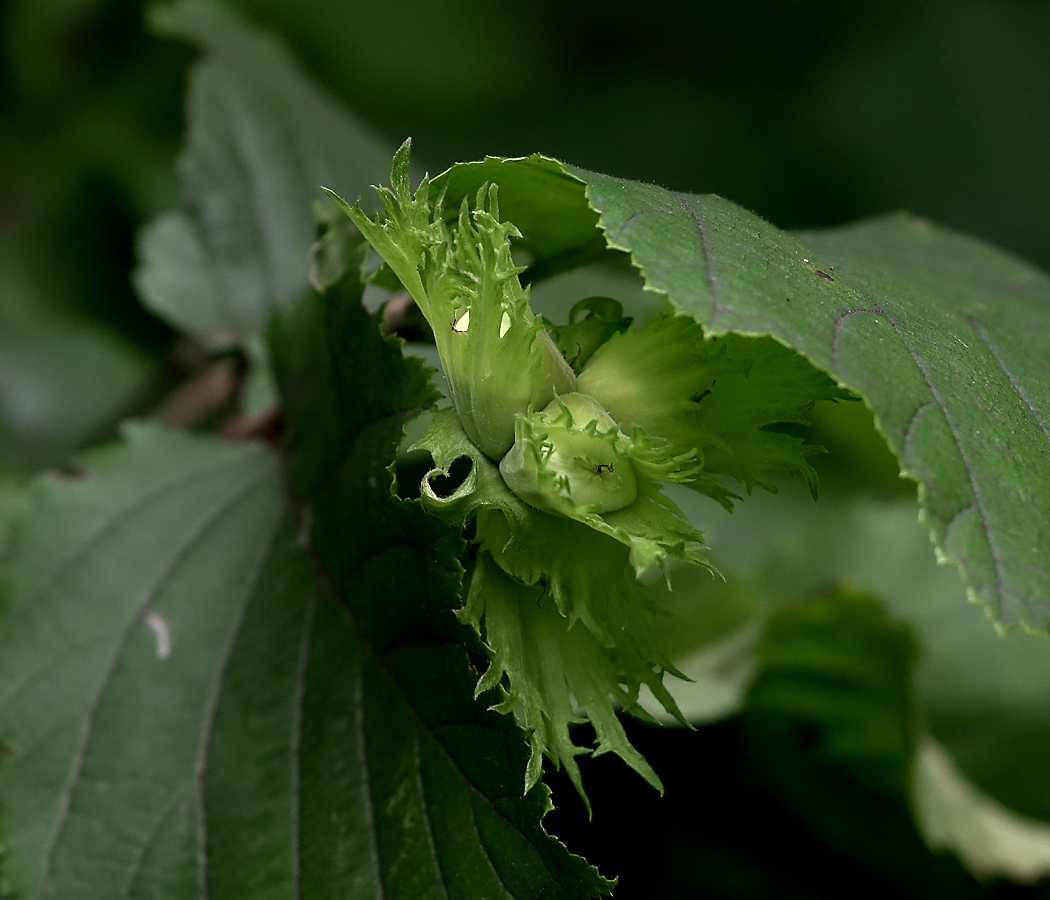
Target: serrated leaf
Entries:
(201, 695)
(946, 338)
(904, 327)
(262, 139)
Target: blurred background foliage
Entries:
(809, 112)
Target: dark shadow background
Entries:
(810, 112)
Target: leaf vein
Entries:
(835, 331)
(953, 521)
(420, 724)
(637, 214)
(485, 852)
(712, 279)
(963, 455)
(366, 775)
(140, 502)
(909, 429)
(47, 668)
(1013, 383)
(212, 708)
(296, 746)
(426, 814)
(149, 839)
(65, 799)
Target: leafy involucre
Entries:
(559, 606)
(579, 471)
(722, 397)
(498, 358)
(546, 661)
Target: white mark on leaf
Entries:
(504, 325)
(463, 323)
(161, 632)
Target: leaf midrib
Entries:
(421, 726)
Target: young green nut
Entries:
(571, 454)
(498, 369)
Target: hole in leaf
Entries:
(458, 472)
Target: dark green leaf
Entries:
(333, 367)
(196, 699)
(333, 380)
(830, 719)
(981, 695)
(122, 604)
(262, 140)
(832, 680)
(984, 696)
(946, 338)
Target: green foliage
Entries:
(261, 139)
(966, 417)
(898, 311)
(248, 664)
(285, 690)
(63, 381)
(728, 399)
(973, 693)
(582, 456)
(830, 718)
(497, 357)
